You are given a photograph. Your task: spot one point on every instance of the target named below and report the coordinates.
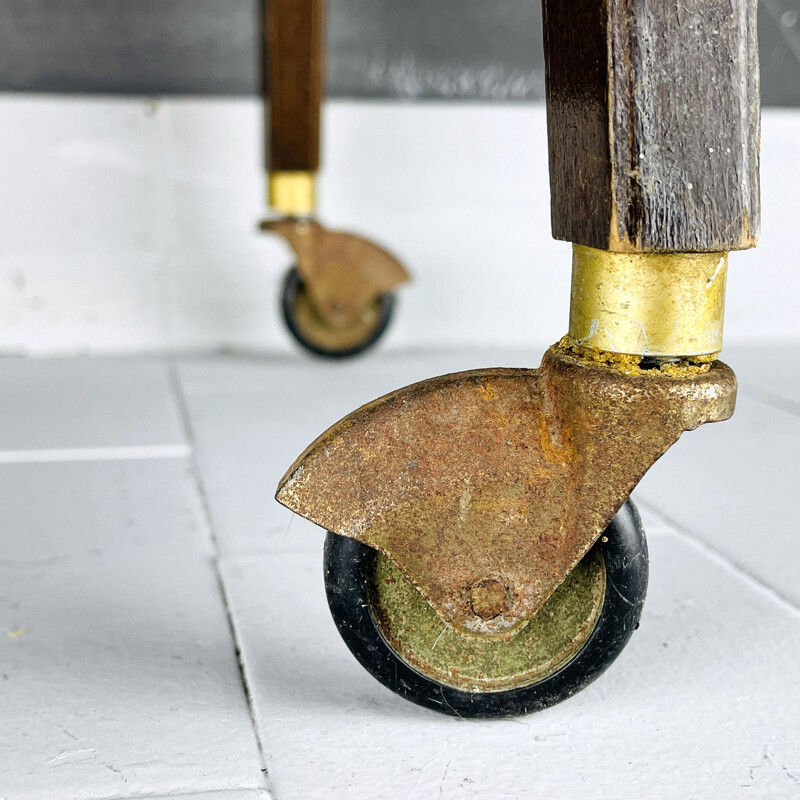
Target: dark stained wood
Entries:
(653, 123)
(577, 118)
(294, 36)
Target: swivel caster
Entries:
(337, 299)
(483, 558)
(398, 638)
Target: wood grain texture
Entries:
(653, 123)
(577, 119)
(295, 71)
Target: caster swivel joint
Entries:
(483, 558)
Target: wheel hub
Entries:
(487, 664)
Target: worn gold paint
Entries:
(292, 194)
(508, 474)
(548, 641)
(658, 304)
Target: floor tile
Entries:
(95, 508)
(118, 671)
(235, 794)
(224, 374)
(701, 704)
(86, 403)
(119, 678)
(768, 373)
(733, 485)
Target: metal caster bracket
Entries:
(343, 273)
(487, 487)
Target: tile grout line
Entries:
(183, 409)
(692, 538)
(190, 794)
(73, 454)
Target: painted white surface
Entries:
(129, 224)
(769, 374)
(87, 403)
(119, 678)
(62, 511)
(225, 794)
(734, 485)
(701, 704)
(118, 673)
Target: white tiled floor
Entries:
(734, 486)
(82, 403)
(128, 582)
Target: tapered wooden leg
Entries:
(294, 67)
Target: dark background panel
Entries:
(436, 49)
(128, 46)
(404, 49)
(779, 43)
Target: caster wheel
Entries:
(320, 338)
(574, 637)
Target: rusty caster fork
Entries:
(338, 299)
(482, 557)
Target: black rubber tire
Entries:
(293, 284)
(348, 567)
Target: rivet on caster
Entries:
(337, 299)
(483, 557)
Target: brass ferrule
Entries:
(292, 194)
(648, 304)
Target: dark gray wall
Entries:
(462, 49)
